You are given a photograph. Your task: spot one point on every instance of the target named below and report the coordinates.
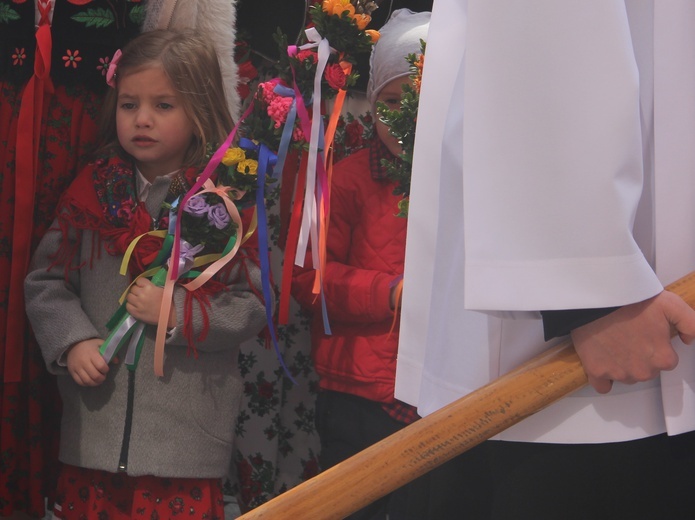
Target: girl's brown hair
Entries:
(190, 62)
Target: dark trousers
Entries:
(348, 424)
(646, 479)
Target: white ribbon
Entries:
(309, 225)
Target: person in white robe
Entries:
(554, 170)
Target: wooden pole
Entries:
(439, 437)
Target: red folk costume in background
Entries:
(53, 58)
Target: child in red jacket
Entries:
(365, 256)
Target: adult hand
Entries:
(144, 301)
(633, 343)
(86, 364)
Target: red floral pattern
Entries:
(84, 493)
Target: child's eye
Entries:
(127, 106)
(166, 106)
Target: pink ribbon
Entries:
(111, 71)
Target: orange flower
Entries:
(338, 7)
(362, 20)
(417, 81)
(374, 35)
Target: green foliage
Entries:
(342, 31)
(401, 123)
(96, 18)
(7, 14)
(137, 14)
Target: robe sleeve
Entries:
(552, 158)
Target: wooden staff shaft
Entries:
(437, 438)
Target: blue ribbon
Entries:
(287, 130)
(269, 160)
(265, 162)
(248, 144)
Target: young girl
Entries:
(133, 444)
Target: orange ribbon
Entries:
(292, 240)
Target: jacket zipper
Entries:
(123, 460)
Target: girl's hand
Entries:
(144, 300)
(85, 364)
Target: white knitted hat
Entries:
(399, 36)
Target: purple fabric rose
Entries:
(218, 216)
(197, 206)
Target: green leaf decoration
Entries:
(7, 14)
(137, 14)
(401, 124)
(96, 18)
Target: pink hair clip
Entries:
(111, 72)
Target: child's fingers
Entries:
(99, 366)
(88, 376)
(92, 372)
(142, 282)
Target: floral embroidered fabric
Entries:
(30, 407)
(84, 35)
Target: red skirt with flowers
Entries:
(85, 493)
(30, 408)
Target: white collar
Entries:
(143, 185)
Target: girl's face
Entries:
(151, 122)
(390, 95)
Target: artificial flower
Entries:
(374, 35)
(248, 167)
(338, 7)
(233, 156)
(219, 216)
(362, 21)
(197, 206)
(335, 76)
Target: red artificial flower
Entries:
(247, 73)
(243, 90)
(335, 76)
(353, 134)
(247, 70)
(308, 54)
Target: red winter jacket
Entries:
(365, 256)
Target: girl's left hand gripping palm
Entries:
(144, 301)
